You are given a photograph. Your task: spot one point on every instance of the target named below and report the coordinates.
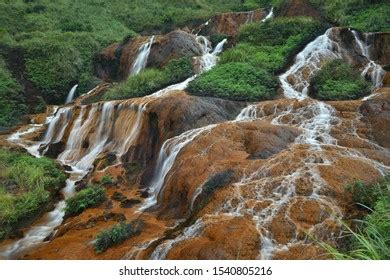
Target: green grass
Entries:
(247, 71)
(151, 80)
(337, 80)
(365, 15)
(89, 197)
(116, 235)
(27, 186)
(369, 238)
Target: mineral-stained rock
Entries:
(115, 61)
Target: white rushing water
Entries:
(372, 69)
(314, 118)
(50, 221)
(80, 159)
(270, 15)
(142, 57)
(71, 93)
(171, 148)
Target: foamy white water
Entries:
(71, 93)
(142, 57)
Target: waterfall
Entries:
(249, 17)
(314, 118)
(171, 148)
(142, 58)
(165, 161)
(269, 15)
(310, 59)
(71, 93)
(94, 124)
(373, 70)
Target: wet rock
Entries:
(128, 203)
(235, 238)
(174, 45)
(115, 61)
(117, 196)
(55, 149)
(377, 112)
(229, 23)
(295, 8)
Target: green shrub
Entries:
(279, 30)
(235, 81)
(27, 186)
(89, 197)
(367, 195)
(106, 180)
(151, 80)
(370, 238)
(116, 235)
(11, 99)
(338, 81)
(365, 15)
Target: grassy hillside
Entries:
(56, 40)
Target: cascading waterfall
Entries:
(372, 69)
(314, 118)
(71, 93)
(310, 59)
(270, 15)
(142, 58)
(81, 159)
(171, 148)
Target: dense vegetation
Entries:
(56, 40)
(246, 72)
(365, 15)
(151, 80)
(91, 196)
(27, 186)
(117, 234)
(370, 239)
(337, 80)
(11, 99)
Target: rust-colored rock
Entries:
(229, 23)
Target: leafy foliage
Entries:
(246, 72)
(27, 185)
(151, 80)
(338, 81)
(371, 238)
(235, 81)
(11, 99)
(86, 198)
(365, 15)
(58, 40)
(117, 234)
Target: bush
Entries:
(89, 197)
(27, 186)
(365, 15)
(151, 80)
(338, 81)
(280, 30)
(106, 180)
(11, 98)
(116, 235)
(235, 81)
(371, 238)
